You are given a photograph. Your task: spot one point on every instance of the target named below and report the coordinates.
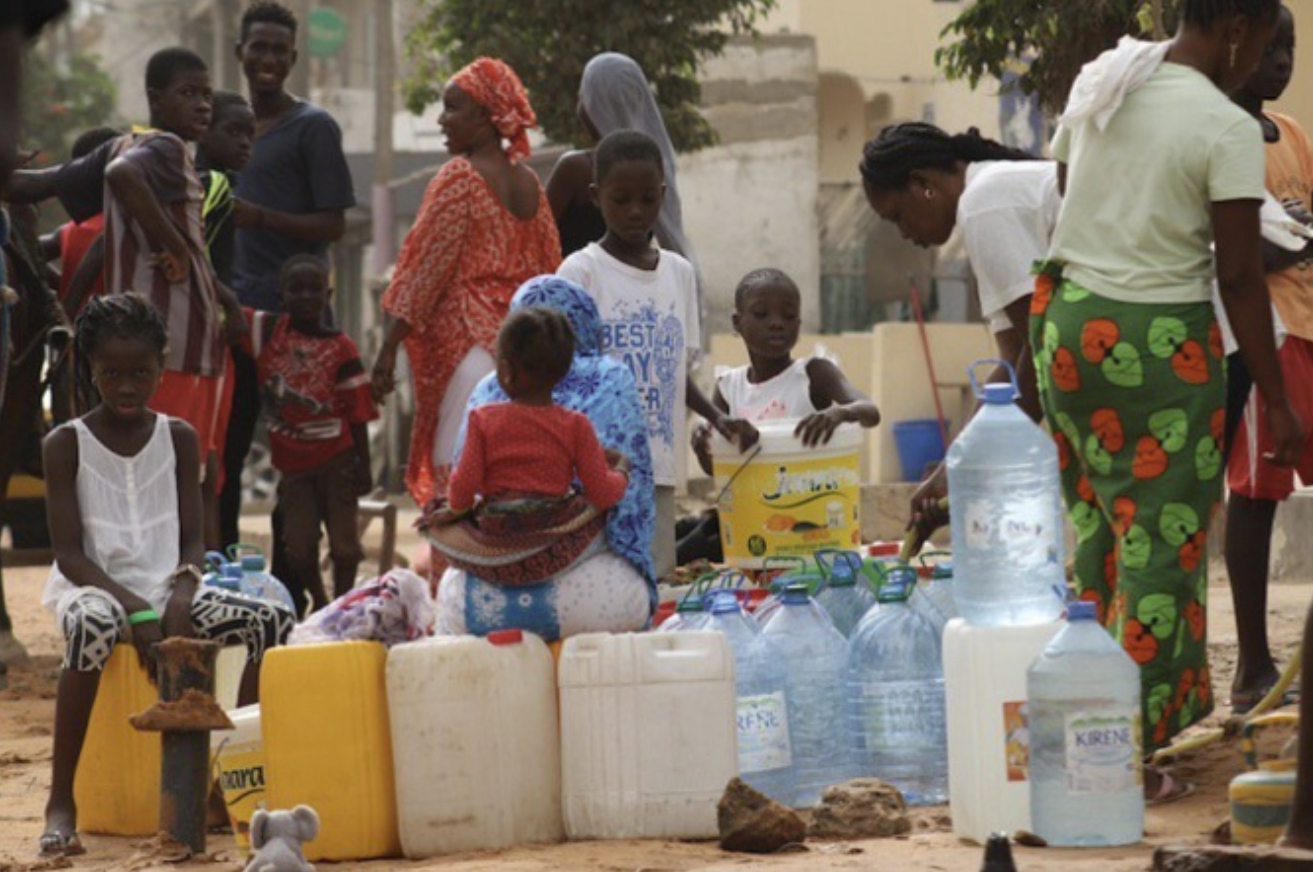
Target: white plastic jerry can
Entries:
(648, 734)
(476, 743)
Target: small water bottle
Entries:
(761, 708)
(805, 640)
(1007, 513)
(998, 855)
(895, 677)
(1086, 782)
(846, 596)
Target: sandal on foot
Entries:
(1243, 703)
(57, 844)
(1169, 790)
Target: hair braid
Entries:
(899, 150)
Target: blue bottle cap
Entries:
(232, 571)
(1000, 394)
(796, 594)
(253, 562)
(723, 602)
(894, 592)
(1082, 611)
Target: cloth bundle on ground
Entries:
(393, 608)
(515, 540)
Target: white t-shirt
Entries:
(649, 323)
(1135, 224)
(787, 395)
(1006, 215)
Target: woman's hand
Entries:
(1287, 434)
(929, 508)
(383, 380)
(818, 427)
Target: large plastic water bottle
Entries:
(259, 583)
(814, 651)
(1086, 784)
(933, 597)
(846, 596)
(761, 708)
(1007, 514)
(895, 677)
(813, 581)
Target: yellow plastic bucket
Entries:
(783, 499)
(240, 757)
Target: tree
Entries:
(548, 42)
(1056, 36)
(58, 105)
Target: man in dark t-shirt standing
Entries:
(291, 198)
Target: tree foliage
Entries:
(1055, 36)
(548, 42)
(59, 104)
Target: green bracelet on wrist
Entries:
(143, 616)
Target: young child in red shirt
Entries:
(531, 447)
(317, 402)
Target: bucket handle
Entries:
(743, 464)
(1248, 745)
(996, 361)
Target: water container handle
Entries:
(996, 361)
(237, 549)
(1248, 746)
(215, 560)
(874, 573)
(834, 556)
(732, 579)
(692, 598)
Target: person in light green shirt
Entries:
(1159, 168)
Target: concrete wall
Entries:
(750, 201)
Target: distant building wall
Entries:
(751, 200)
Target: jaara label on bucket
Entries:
(1102, 751)
(763, 729)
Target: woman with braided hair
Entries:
(1004, 203)
(483, 229)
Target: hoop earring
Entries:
(929, 193)
(1234, 48)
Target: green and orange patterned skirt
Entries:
(1134, 395)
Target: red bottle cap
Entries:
(506, 637)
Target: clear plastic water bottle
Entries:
(762, 717)
(895, 678)
(1086, 782)
(846, 596)
(1007, 514)
(257, 582)
(814, 582)
(933, 597)
(814, 651)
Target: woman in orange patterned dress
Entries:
(484, 228)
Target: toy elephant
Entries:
(276, 837)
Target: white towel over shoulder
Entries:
(1104, 82)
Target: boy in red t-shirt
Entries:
(316, 400)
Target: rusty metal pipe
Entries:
(185, 714)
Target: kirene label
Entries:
(1102, 748)
(763, 731)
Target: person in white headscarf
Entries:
(614, 95)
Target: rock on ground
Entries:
(864, 808)
(1231, 859)
(752, 822)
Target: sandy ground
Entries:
(27, 709)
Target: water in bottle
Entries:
(1007, 515)
(259, 583)
(895, 678)
(1086, 783)
(761, 709)
(933, 596)
(814, 651)
(846, 596)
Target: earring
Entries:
(929, 193)
(1234, 48)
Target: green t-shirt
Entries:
(1136, 223)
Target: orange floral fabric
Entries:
(458, 269)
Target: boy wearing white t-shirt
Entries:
(647, 298)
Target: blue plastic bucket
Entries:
(920, 444)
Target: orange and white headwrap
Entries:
(495, 86)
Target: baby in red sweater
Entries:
(531, 447)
